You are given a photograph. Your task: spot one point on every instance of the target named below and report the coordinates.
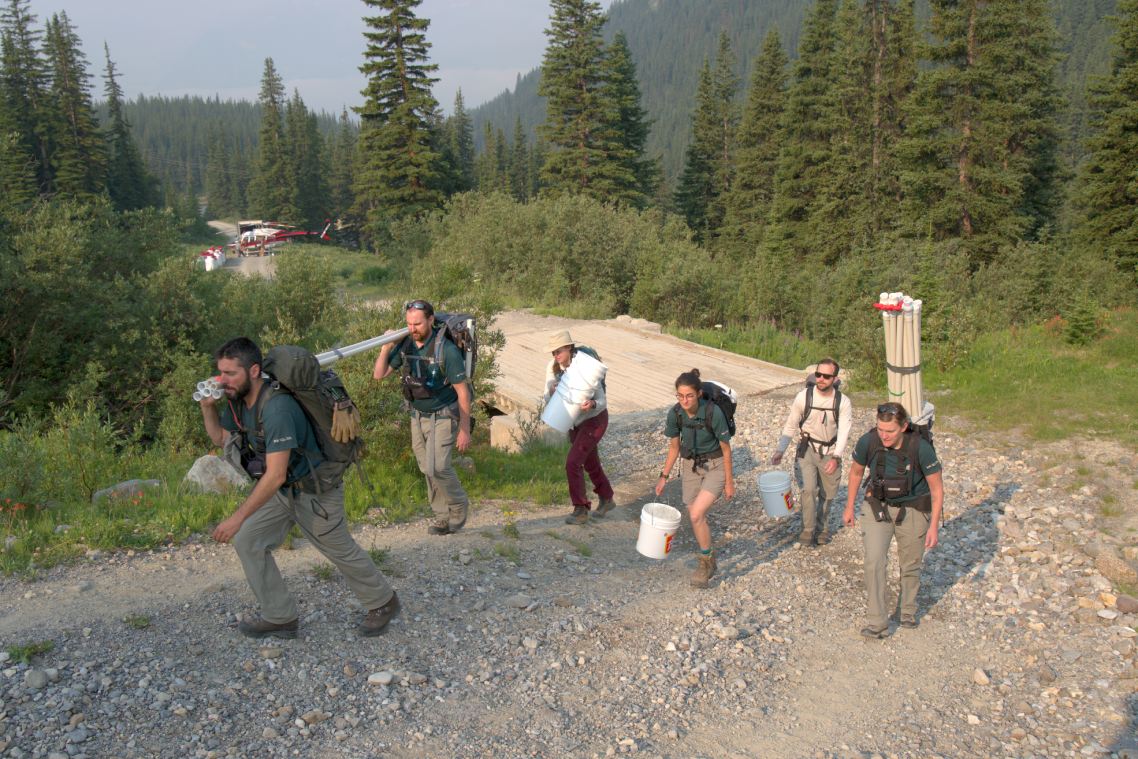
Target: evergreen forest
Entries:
(756, 165)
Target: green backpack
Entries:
(321, 394)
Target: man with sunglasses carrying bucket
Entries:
(904, 496)
(438, 397)
(821, 416)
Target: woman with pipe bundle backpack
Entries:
(697, 432)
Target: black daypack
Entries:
(320, 394)
(809, 406)
(889, 487)
(461, 330)
(719, 394)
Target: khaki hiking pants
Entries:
(876, 537)
(817, 490)
(322, 520)
(432, 440)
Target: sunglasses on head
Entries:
(889, 408)
(418, 305)
(823, 375)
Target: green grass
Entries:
(25, 652)
(1032, 380)
(323, 571)
(509, 552)
(137, 621)
(580, 546)
(762, 341)
(364, 276)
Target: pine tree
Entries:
(305, 150)
(78, 159)
(632, 125)
(708, 171)
(760, 136)
(129, 185)
(23, 88)
(585, 155)
(519, 163)
(462, 144)
(272, 187)
(342, 157)
(398, 174)
(486, 167)
(1107, 195)
(980, 152)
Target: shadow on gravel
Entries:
(967, 546)
(1125, 745)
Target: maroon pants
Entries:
(583, 455)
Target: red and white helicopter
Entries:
(257, 238)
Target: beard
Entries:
(243, 389)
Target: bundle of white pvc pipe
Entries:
(208, 388)
(901, 315)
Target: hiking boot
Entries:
(457, 517)
(258, 627)
(580, 515)
(375, 622)
(605, 506)
(824, 537)
(873, 632)
(439, 527)
(705, 570)
(806, 539)
(908, 621)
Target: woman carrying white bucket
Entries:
(697, 432)
(588, 428)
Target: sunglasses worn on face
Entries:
(823, 375)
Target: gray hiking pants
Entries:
(322, 520)
(876, 537)
(432, 439)
(817, 490)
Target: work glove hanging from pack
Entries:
(346, 423)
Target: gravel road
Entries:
(582, 648)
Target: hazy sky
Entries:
(208, 47)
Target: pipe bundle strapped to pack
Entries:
(901, 317)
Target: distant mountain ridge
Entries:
(670, 39)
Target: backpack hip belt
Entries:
(699, 460)
(806, 441)
(922, 503)
(452, 411)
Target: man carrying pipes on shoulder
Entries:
(439, 398)
(268, 435)
(904, 497)
(821, 416)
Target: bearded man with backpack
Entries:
(264, 429)
(821, 416)
(904, 496)
(437, 390)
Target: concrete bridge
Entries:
(642, 365)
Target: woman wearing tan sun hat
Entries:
(585, 436)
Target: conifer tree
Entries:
(461, 135)
(519, 163)
(586, 155)
(129, 185)
(398, 174)
(272, 187)
(23, 89)
(760, 136)
(78, 160)
(305, 151)
(701, 194)
(487, 169)
(342, 157)
(980, 152)
(1107, 195)
(632, 125)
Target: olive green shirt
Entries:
(421, 364)
(696, 437)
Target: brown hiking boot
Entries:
(605, 506)
(439, 527)
(824, 538)
(580, 515)
(457, 517)
(375, 623)
(705, 570)
(258, 627)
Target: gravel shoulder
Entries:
(584, 648)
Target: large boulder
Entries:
(213, 474)
(127, 489)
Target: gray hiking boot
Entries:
(704, 571)
(580, 515)
(439, 527)
(824, 537)
(259, 627)
(605, 506)
(806, 539)
(458, 517)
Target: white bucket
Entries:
(778, 498)
(658, 525)
(577, 385)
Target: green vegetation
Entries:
(762, 341)
(580, 546)
(136, 621)
(509, 551)
(25, 652)
(323, 571)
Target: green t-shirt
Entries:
(421, 364)
(696, 438)
(895, 465)
(285, 426)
